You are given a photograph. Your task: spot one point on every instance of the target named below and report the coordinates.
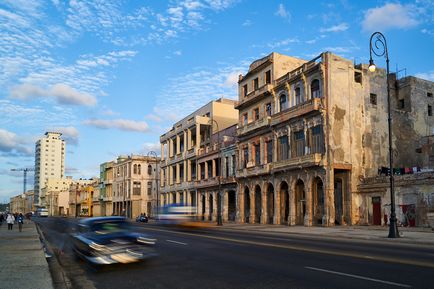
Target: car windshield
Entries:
(110, 227)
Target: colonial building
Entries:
(135, 185)
(78, 197)
(413, 150)
(180, 149)
(309, 131)
(215, 180)
(106, 188)
(56, 195)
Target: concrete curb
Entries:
(60, 280)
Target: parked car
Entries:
(42, 212)
(110, 240)
(142, 219)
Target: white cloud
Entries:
(248, 22)
(69, 133)
(282, 12)
(428, 32)
(389, 16)
(283, 42)
(62, 93)
(121, 124)
(232, 79)
(148, 147)
(426, 75)
(336, 28)
(11, 144)
(178, 52)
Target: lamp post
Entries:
(219, 205)
(152, 153)
(380, 49)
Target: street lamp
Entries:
(152, 153)
(219, 205)
(380, 49)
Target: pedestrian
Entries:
(1, 219)
(20, 220)
(10, 220)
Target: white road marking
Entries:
(176, 242)
(360, 277)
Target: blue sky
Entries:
(112, 76)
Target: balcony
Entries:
(298, 162)
(255, 171)
(250, 127)
(251, 97)
(311, 105)
(209, 182)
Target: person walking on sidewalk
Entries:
(2, 218)
(20, 220)
(10, 220)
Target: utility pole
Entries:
(24, 170)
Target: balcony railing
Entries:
(255, 171)
(252, 95)
(265, 121)
(313, 104)
(296, 162)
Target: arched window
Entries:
(149, 170)
(315, 90)
(283, 103)
(139, 169)
(298, 98)
(135, 169)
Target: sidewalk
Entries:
(415, 236)
(22, 259)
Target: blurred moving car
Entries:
(181, 216)
(42, 212)
(110, 240)
(142, 219)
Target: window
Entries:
(299, 143)
(202, 171)
(256, 114)
(181, 143)
(217, 167)
(245, 119)
(255, 83)
(174, 174)
(315, 90)
(317, 139)
(268, 77)
(429, 110)
(282, 102)
(268, 109)
(193, 170)
(149, 188)
(429, 94)
(149, 170)
(139, 169)
(373, 98)
(298, 98)
(234, 165)
(226, 166)
(358, 77)
(269, 145)
(401, 103)
(245, 156)
(209, 166)
(245, 90)
(181, 172)
(257, 149)
(136, 188)
(283, 148)
(135, 169)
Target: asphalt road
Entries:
(218, 258)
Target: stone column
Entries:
(292, 205)
(262, 150)
(185, 140)
(162, 151)
(197, 137)
(178, 144)
(252, 206)
(277, 207)
(308, 203)
(225, 207)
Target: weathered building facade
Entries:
(216, 176)
(135, 185)
(180, 149)
(308, 133)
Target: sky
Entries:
(113, 76)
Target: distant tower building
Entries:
(49, 162)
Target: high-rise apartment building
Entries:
(49, 162)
